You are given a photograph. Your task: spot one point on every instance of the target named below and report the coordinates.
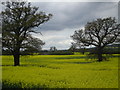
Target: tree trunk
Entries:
(16, 59)
(100, 58)
(16, 56)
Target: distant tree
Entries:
(18, 19)
(98, 33)
(53, 48)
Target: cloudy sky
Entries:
(68, 17)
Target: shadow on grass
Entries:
(6, 65)
(85, 57)
(41, 66)
(26, 65)
(75, 62)
(80, 62)
(20, 85)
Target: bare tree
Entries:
(98, 33)
(53, 48)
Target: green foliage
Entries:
(59, 71)
(18, 21)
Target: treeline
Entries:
(42, 52)
(110, 49)
(58, 52)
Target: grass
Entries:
(59, 71)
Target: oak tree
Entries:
(18, 22)
(98, 33)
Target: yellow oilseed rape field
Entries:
(59, 71)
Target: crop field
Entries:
(59, 71)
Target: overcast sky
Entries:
(68, 17)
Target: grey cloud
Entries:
(68, 17)
(74, 15)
